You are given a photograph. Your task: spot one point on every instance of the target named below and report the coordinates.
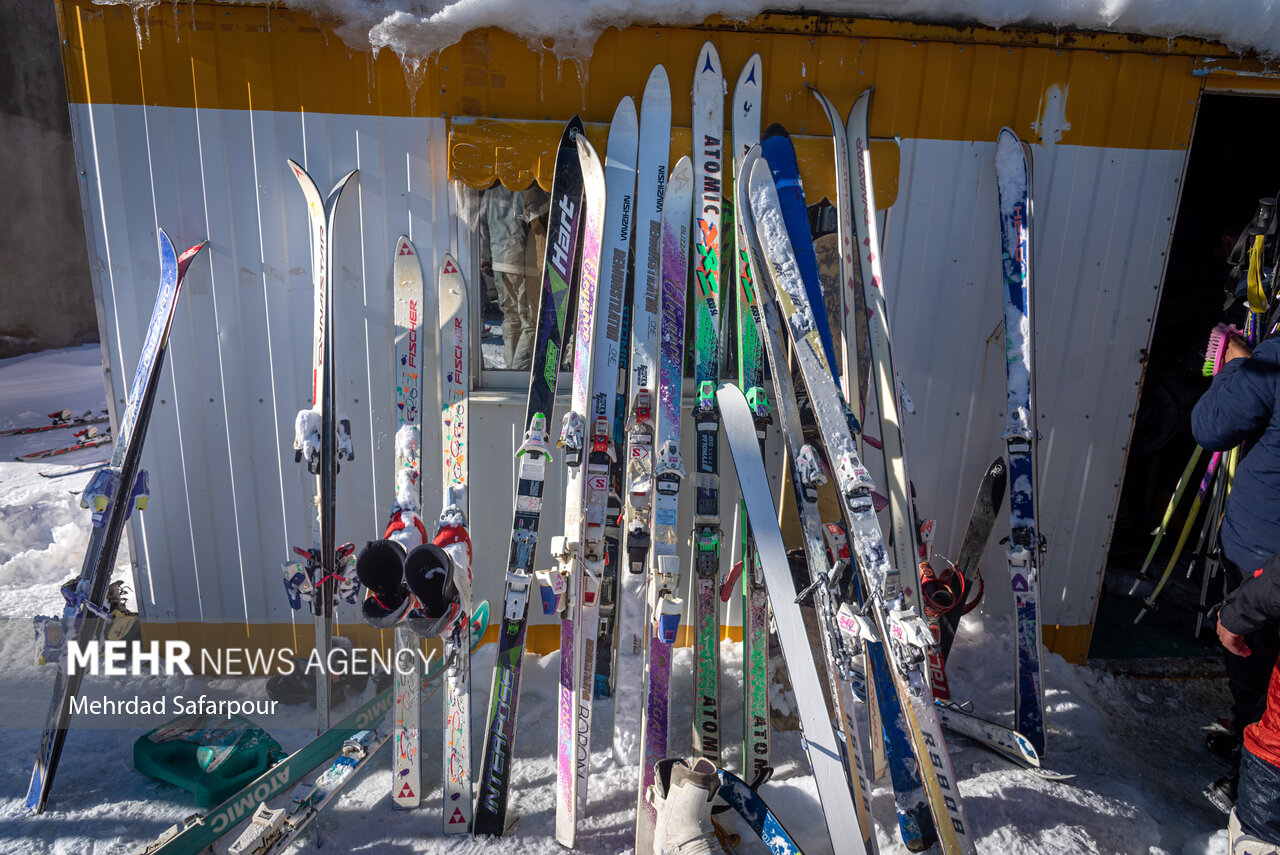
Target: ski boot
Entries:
(430, 574)
(1222, 792)
(52, 638)
(682, 795)
(380, 568)
(452, 536)
(1240, 843)
(124, 621)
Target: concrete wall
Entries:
(46, 297)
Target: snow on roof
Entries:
(418, 28)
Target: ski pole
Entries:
(1149, 603)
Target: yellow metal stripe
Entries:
(299, 639)
(932, 82)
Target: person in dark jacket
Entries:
(1254, 827)
(1241, 405)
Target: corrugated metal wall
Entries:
(229, 499)
(1101, 225)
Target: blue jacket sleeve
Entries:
(1239, 403)
(1256, 603)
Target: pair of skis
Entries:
(88, 437)
(112, 493)
(416, 587)
(532, 457)
(60, 420)
(321, 440)
(572, 589)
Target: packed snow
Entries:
(1134, 746)
(414, 29)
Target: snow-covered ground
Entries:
(1135, 746)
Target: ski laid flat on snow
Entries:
(893, 622)
(531, 470)
(708, 145)
(821, 745)
(197, 836)
(59, 421)
(113, 493)
(1013, 184)
(662, 595)
(646, 315)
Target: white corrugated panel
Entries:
(228, 500)
(1101, 224)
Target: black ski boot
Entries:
(428, 571)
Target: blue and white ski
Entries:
(1013, 185)
(112, 493)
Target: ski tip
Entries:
(750, 75)
(189, 254)
(404, 246)
(708, 59)
(449, 266)
(572, 129)
(658, 81)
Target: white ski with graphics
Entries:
(453, 536)
(646, 315)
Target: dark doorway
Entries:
(1232, 164)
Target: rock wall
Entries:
(46, 297)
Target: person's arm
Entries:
(1239, 403)
(1253, 605)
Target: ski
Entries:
(708, 145)
(600, 454)
(982, 520)
(662, 600)
(61, 420)
(821, 743)
(1013, 184)
(646, 316)
(197, 834)
(89, 437)
(405, 529)
(861, 193)
(997, 738)
(914, 820)
(531, 467)
(738, 795)
(840, 654)
(79, 470)
(755, 601)
(272, 830)
(896, 624)
(453, 536)
(319, 440)
(112, 493)
(557, 585)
